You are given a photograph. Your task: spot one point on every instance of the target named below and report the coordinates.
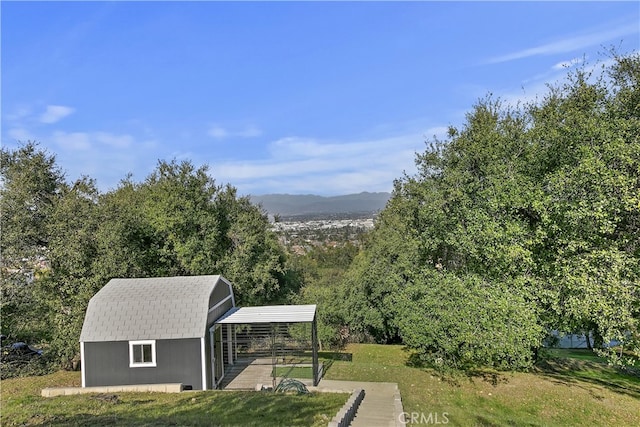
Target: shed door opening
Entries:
(217, 355)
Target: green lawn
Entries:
(565, 391)
(580, 354)
(570, 389)
(302, 372)
(22, 405)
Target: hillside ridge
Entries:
(310, 204)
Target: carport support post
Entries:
(83, 372)
(274, 361)
(230, 343)
(314, 346)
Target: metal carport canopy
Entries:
(269, 314)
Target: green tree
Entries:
(386, 263)
(29, 187)
(178, 221)
(588, 134)
(534, 205)
(465, 322)
(127, 244)
(71, 282)
(253, 258)
(321, 273)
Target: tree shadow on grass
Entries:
(329, 357)
(482, 421)
(448, 375)
(336, 355)
(567, 371)
(487, 375)
(326, 365)
(572, 372)
(456, 376)
(414, 361)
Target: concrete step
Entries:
(379, 408)
(386, 402)
(376, 409)
(372, 422)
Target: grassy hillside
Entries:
(567, 391)
(572, 388)
(22, 405)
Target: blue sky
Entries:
(279, 97)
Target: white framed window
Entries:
(142, 354)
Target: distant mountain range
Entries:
(288, 205)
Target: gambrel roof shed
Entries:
(153, 330)
(168, 330)
(159, 308)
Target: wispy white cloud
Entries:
(108, 157)
(307, 165)
(535, 88)
(250, 132)
(568, 64)
(55, 113)
(19, 113)
(290, 164)
(217, 132)
(571, 44)
(21, 134)
(91, 140)
(114, 141)
(71, 140)
(220, 132)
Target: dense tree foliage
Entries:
(471, 322)
(176, 222)
(30, 182)
(321, 274)
(524, 220)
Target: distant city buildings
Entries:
(301, 236)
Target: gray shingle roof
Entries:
(150, 308)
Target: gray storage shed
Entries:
(153, 331)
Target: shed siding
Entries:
(178, 361)
(217, 312)
(220, 292)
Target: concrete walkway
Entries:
(381, 406)
(245, 375)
